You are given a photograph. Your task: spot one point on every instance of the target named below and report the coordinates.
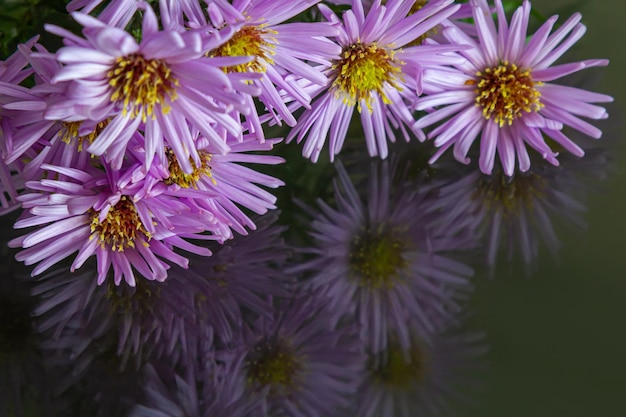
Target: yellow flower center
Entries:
(177, 176)
(248, 41)
(505, 93)
(70, 133)
(140, 84)
(363, 70)
(376, 259)
(120, 228)
(272, 363)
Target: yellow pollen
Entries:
(248, 41)
(70, 133)
(505, 93)
(140, 84)
(120, 228)
(177, 176)
(363, 70)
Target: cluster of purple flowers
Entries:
(132, 140)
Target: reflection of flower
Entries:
(167, 318)
(297, 363)
(514, 214)
(424, 380)
(504, 95)
(233, 285)
(196, 392)
(383, 261)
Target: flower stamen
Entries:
(505, 93)
(248, 41)
(140, 84)
(177, 176)
(363, 70)
(120, 228)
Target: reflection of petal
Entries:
(97, 335)
(514, 215)
(429, 379)
(298, 364)
(383, 261)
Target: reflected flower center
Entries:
(510, 195)
(376, 259)
(273, 364)
(120, 228)
(363, 70)
(248, 41)
(505, 93)
(400, 370)
(139, 84)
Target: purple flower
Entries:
(221, 184)
(297, 363)
(86, 211)
(281, 53)
(163, 85)
(374, 74)
(436, 373)
(503, 92)
(382, 262)
(195, 392)
(515, 215)
(236, 283)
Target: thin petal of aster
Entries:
(536, 42)
(558, 71)
(503, 26)
(339, 129)
(447, 97)
(540, 51)
(438, 115)
(487, 34)
(564, 141)
(506, 152)
(120, 128)
(488, 142)
(452, 127)
(517, 33)
(573, 93)
(574, 37)
(523, 158)
(573, 121)
(467, 138)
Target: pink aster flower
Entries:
(281, 52)
(374, 74)
(220, 185)
(503, 93)
(87, 212)
(165, 83)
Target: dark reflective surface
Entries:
(403, 290)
